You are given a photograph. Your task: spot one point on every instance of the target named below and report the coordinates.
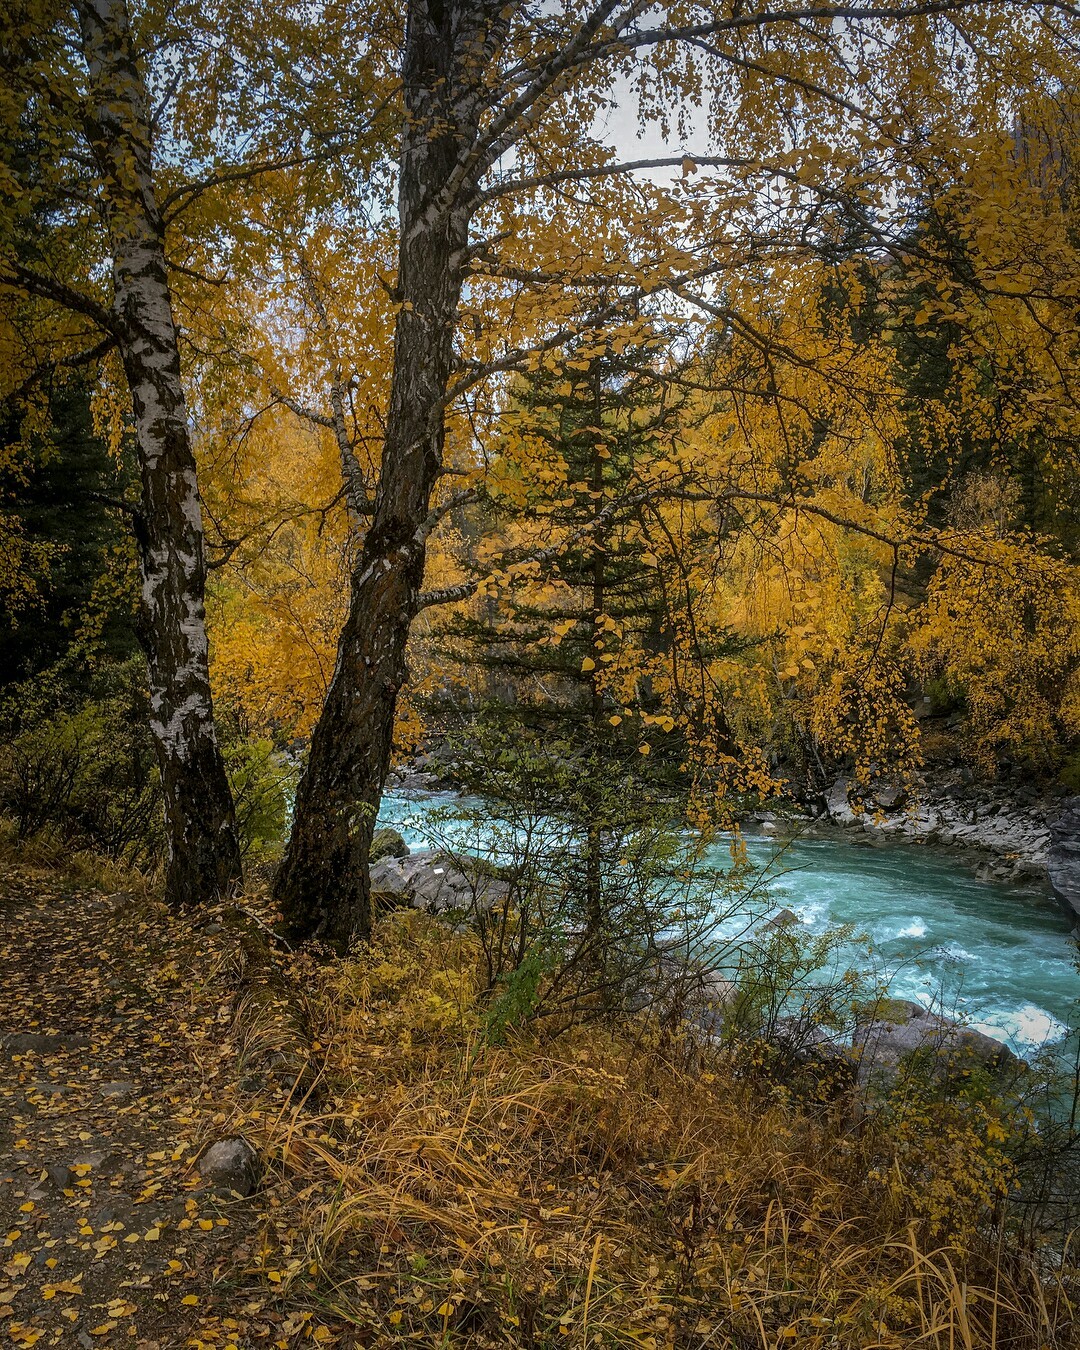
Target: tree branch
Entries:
(29, 282)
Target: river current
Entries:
(998, 957)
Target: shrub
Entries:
(262, 782)
(79, 763)
(591, 898)
(78, 766)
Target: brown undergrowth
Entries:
(427, 1184)
(621, 1186)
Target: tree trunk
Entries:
(322, 885)
(594, 880)
(203, 852)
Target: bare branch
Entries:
(356, 489)
(439, 513)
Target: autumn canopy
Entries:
(705, 370)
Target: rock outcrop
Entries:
(1015, 835)
(1063, 859)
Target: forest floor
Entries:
(117, 1067)
(424, 1184)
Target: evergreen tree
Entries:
(68, 475)
(568, 662)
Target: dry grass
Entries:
(617, 1187)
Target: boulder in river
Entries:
(437, 882)
(893, 1031)
(1063, 859)
(387, 842)
(783, 919)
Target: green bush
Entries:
(262, 783)
(78, 767)
(77, 763)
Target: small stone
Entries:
(122, 1090)
(50, 1089)
(61, 1177)
(230, 1164)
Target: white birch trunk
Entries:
(204, 858)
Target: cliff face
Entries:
(1063, 858)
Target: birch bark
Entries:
(204, 856)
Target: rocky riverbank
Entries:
(1013, 835)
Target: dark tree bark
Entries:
(322, 885)
(204, 856)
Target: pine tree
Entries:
(568, 660)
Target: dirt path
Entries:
(116, 1068)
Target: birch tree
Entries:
(135, 318)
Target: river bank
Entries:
(1018, 835)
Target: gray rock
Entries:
(896, 1030)
(717, 989)
(1063, 858)
(388, 843)
(890, 798)
(22, 1042)
(436, 882)
(63, 1178)
(838, 805)
(230, 1165)
(122, 1090)
(781, 920)
(101, 1162)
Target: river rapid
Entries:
(998, 957)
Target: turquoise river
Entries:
(999, 957)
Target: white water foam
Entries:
(1028, 1027)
